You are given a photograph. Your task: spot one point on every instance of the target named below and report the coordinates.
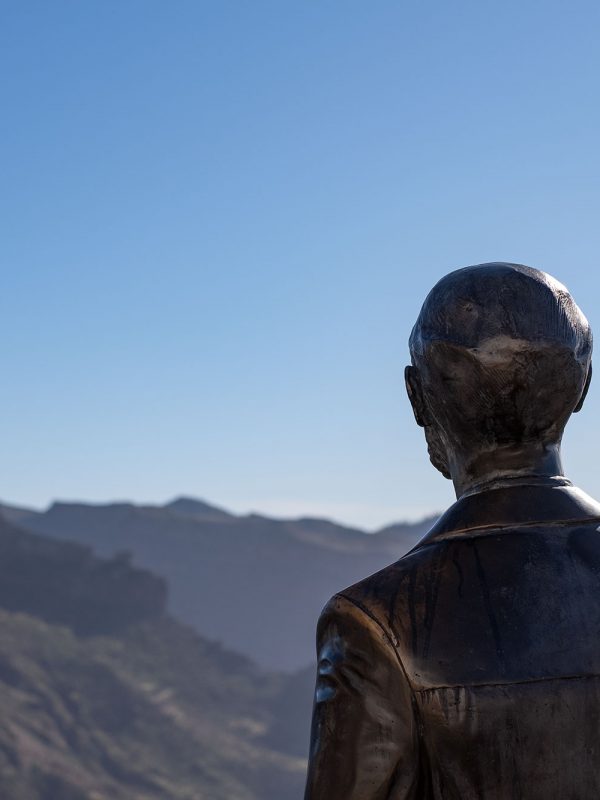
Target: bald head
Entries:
(501, 357)
(476, 306)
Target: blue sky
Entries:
(220, 219)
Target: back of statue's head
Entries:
(504, 354)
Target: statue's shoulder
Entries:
(389, 592)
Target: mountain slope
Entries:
(254, 583)
(138, 708)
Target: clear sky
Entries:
(220, 219)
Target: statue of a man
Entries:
(470, 668)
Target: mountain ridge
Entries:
(187, 505)
(253, 582)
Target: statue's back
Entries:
(497, 633)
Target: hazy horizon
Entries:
(376, 518)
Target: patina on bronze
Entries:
(470, 668)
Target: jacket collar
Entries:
(513, 503)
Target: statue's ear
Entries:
(415, 394)
(588, 380)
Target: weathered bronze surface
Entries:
(470, 668)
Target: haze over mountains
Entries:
(104, 695)
(254, 583)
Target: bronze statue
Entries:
(470, 668)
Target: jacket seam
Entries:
(589, 676)
(391, 638)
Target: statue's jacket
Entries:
(470, 668)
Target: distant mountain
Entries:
(129, 706)
(197, 509)
(65, 584)
(15, 513)
(254, 583)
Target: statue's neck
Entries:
(475, 472)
